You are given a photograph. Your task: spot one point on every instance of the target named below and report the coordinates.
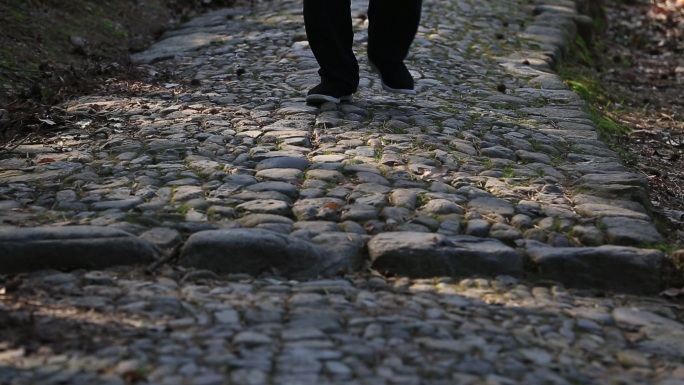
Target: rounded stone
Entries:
(265, 206)
(325, 175)
(250, 251)
(477, 228)
(442, 206)
(589, 235)
(536, 235)
(280, 174)
(490, 205)
(505, 233)
(522, 221)
(283, 162)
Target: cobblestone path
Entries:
(288, 229)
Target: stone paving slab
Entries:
(266, 241)
(70, 248)
(494, 146)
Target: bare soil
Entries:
(640, 63)
(41, 38)
(51, 50)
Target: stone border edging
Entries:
(625, 269)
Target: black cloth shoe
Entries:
(395, 78)
(328, 92)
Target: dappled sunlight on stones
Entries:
(493, 169)
(332, 330)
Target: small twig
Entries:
(9, 150)
(175, 253)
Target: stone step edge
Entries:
(414, 254)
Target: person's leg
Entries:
(392, 25)
(329, 30)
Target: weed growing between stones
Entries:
(556, 161)
(132, 218)
(600, 100)
(422, 200)
(183, 209)
(536, 146)
(508, 171)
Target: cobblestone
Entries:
(213, 329)
(384, 241)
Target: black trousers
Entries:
(392, 25)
